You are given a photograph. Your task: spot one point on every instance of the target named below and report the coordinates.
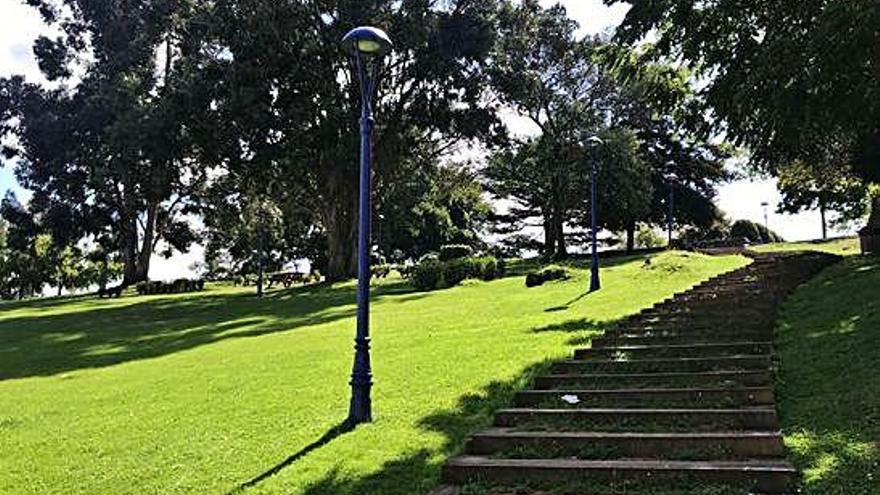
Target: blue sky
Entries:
(20, 25)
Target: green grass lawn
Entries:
(202, 393)
(829, 381)
(844, 247)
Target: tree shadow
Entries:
(586, 328)
(827, 384)
(108, 333)
(419, 471)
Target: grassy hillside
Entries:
(843, 247)
(202, 393)
(829, 380)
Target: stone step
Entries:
(758, 378)
(681, 350)
(639, 420)
(615, 445)
(683, 329)
(648, 397)
(710, 363)
(627, 340)
(721, 317)
(768, 476)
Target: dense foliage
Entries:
(431, 273)
(794, 81)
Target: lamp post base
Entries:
(361, 408)
(595, 284)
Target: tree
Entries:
(657, 101)
(430, 205)
(790, 80)
(625, 188)
(831, 187)
(546, 75)
(115, 148)
(248, 232)
(28, 264)
(286, 99)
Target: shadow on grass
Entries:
(566, 306)
(332, 434)
(828, 387)
(109, 334)
(419, 471)
(586, 328)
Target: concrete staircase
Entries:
(680, 394)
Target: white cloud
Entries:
(20, 25)
(593, 15)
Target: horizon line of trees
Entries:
(244, 114)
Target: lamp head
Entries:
(367, 40)
(593, 141)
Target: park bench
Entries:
(287, 279)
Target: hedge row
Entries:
(431, 273)
(179, 286)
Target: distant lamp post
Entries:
(593, 143)
(669, 178)
(766, 216)
(366, 45)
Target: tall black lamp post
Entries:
(593, 143)
(765, 204)
(669, 178)
(366, 45)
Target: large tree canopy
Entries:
(111, 146)
(789, 79)
(287, 106)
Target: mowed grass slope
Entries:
(845, 246)
(202, 393)
(829, 379)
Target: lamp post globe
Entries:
(593, 143)
(366, 46)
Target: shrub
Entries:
(431, 273)
(546, 274)
(754, 232)
(485, 268)
(427, 275)
(381, 271)
(179, 286)
(456, 271)
(455, 252)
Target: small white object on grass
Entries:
(571, 399)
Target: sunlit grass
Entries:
(844, 247)
(202, 393)
(829, 387)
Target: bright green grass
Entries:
(844, 247)
(829, 381)
(201, 393)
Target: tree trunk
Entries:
(128, 251)
(559, 227)
(874, 219)
(340, 221)
(631, 237)
(549, 236)
(824, 221)
(146, 250)
(260, 266)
